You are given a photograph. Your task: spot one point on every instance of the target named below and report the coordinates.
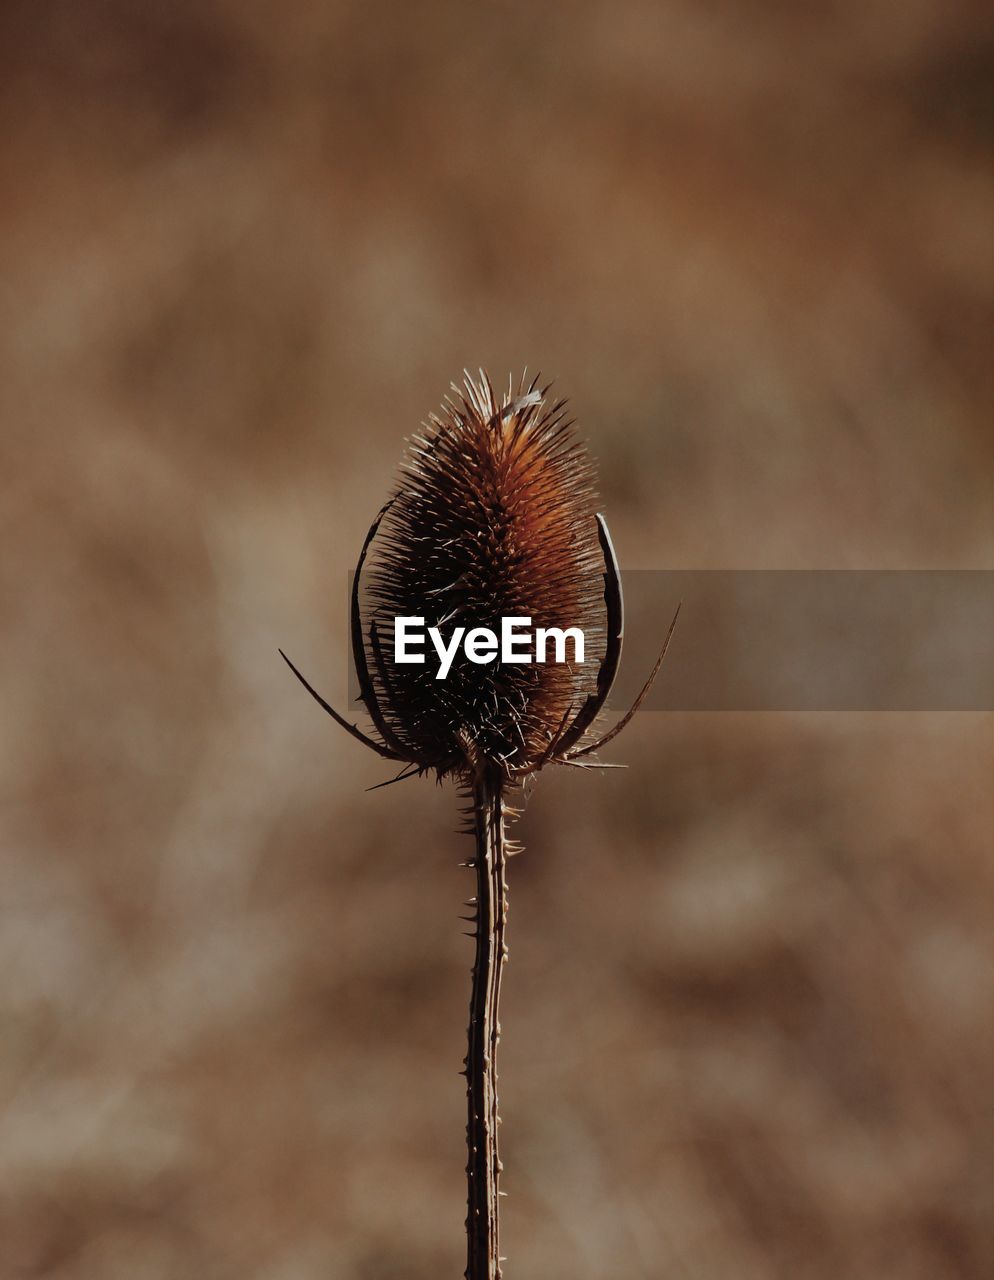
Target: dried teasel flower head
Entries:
(494, 517)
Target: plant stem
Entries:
(483, 1167)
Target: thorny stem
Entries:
(483, 1167)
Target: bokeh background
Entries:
(244, 248)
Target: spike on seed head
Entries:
(494, 516)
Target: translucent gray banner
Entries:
(804, 640)
(808, 640)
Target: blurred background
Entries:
(245, 247)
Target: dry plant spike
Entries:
(614, 602)
(354, 729)
(613, 733)
(366, 691)
(494, 516)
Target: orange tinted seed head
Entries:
(493, 517)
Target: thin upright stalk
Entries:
(483, 1167)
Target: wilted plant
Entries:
(494, 517)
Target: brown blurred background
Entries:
(245, 247)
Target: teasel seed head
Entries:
(494, 517)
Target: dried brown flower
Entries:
(494, 517)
